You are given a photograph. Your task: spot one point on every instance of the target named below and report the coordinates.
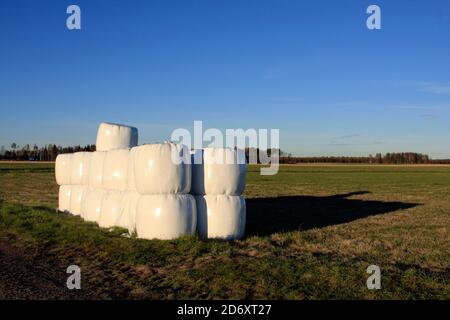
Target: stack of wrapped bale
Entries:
(81, 175)
(72, 174)
(146, 189)
(104, 202)
(218, 183)
(95, 192)
(162, 174)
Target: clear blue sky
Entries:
(310, 68)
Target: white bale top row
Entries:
(89, 168)
(220, 171)
(154, 169)
(148, 169)
(116, 136)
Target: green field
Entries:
(311, 233)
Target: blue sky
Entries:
(310, 68)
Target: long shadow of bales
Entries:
(292, 213)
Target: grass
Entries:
(311, 233)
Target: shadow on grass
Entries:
(45, 208)
(292, 213)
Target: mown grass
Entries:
(312, 232)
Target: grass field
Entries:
(311, 233)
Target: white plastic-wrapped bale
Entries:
(63, 168)
(162, 168)
(80, 168)
(128, 208)
(110, 210)
(166, 216)
(96, 169)
(93, 204)
(122, 217)
(115, 169)
(221, 217)
(221, 171)
(64, 198)
(77, 199)
(116, 136)
(131, 184)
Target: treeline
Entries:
(35, 153)
(50, 151)
(388, 158)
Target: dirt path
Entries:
(24, 277)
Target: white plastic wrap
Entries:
(221, 217)
(110, 210)
(93, 204)
(166, 216)
(77, 199)
(131, 184)
(63, 168)
(80, 168)
(115, 169)
(96, 169)
(64, 198)
(162, 168)
(223, 171)
(116, 136)
(127, 215)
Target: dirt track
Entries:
(24, 277)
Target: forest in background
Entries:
(50, 152)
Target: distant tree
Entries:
(378, 158)
(53, 153)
